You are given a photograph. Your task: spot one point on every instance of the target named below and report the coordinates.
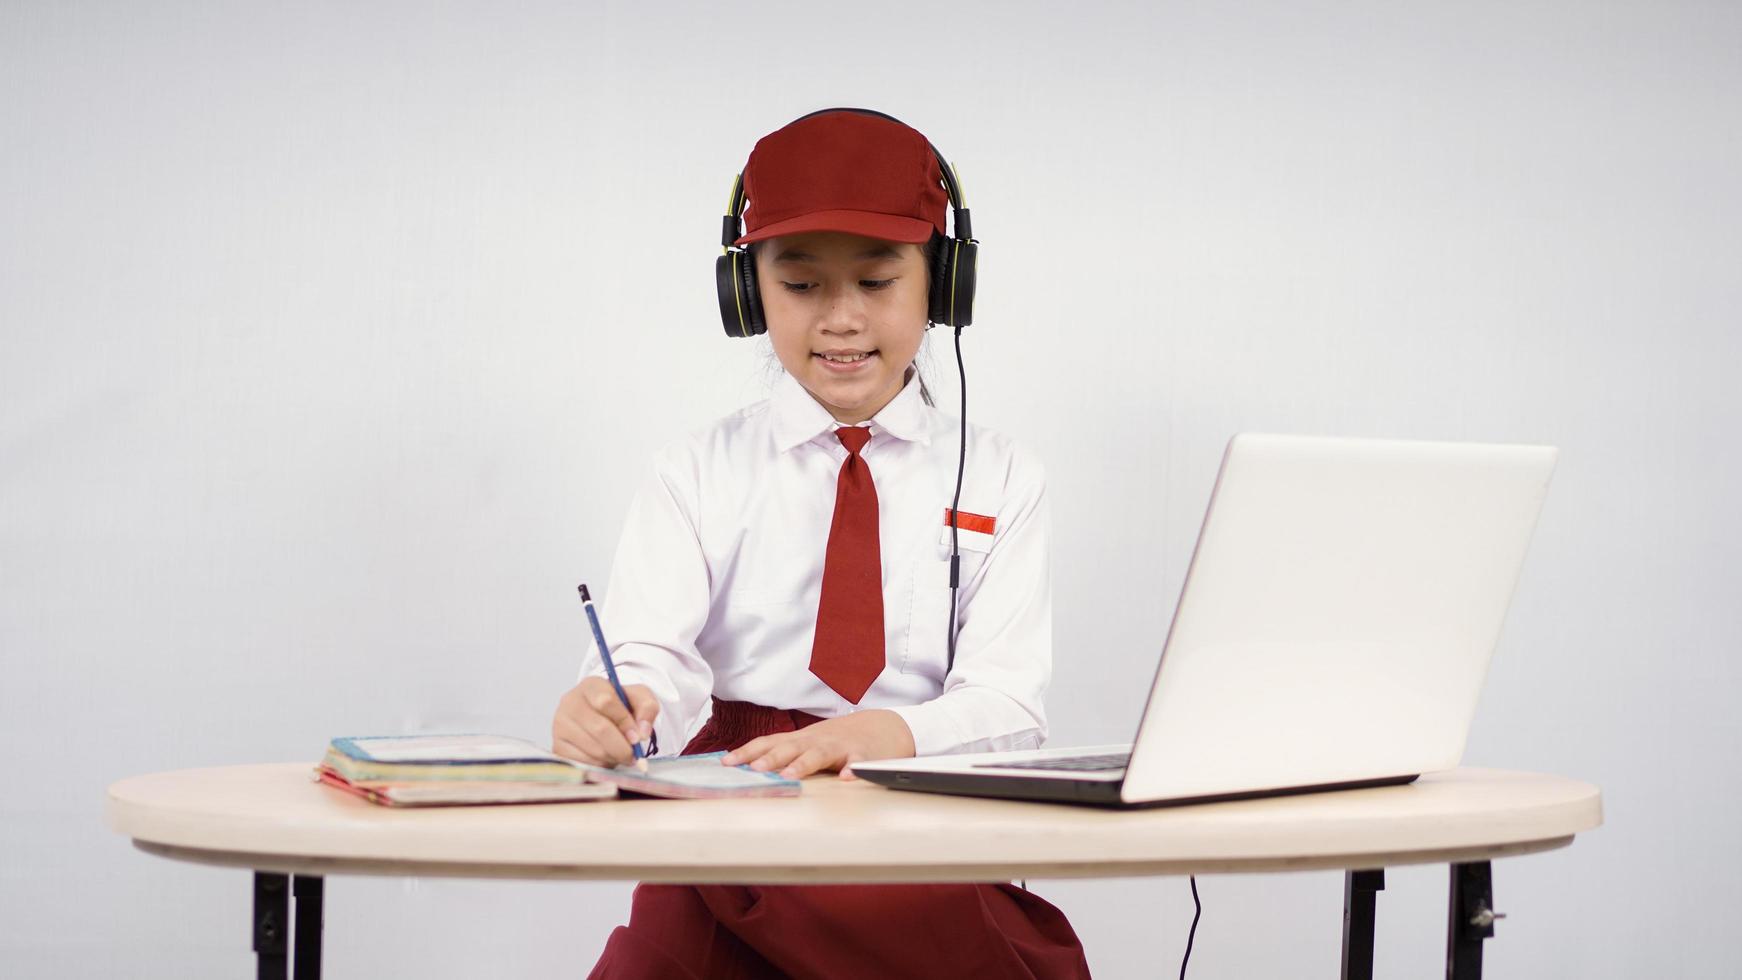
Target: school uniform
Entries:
(713, 603)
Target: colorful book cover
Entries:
(454, 793)
(402, 770)
(469, 757)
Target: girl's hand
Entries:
(592, 726)
(831, 745)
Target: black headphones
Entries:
(952, 274)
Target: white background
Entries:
(332, 335)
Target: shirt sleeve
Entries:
(656, 601)
(992, 699)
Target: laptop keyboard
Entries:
(1072, 763)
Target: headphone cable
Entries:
(955, 508)
(1197, 910)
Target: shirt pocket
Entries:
(927, 648)
(768, 581)
(762, 609)
(761, 596)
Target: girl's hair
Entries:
(930, 257)
(931, 252)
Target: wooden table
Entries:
(292, 833)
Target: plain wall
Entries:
(332, 334)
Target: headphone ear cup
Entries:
(752, 290)
(937, 305)
(740, 304)
(952, 297)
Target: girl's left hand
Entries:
(834, 745)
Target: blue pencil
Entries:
(611, 671)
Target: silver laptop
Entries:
(1332, 632)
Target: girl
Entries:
(788, 569)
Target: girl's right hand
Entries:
(592, 726)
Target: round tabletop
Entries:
(274, 818)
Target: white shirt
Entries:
(717, 575)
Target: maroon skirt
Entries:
(837, 932)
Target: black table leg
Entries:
(308, 891)
(1360, 894)
(271, 924)
(1470, 920)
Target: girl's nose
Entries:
(845, 312)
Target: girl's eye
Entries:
(805, 287)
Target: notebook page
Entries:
(696, 777)
(703, 771)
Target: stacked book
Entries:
(423, 770)
(437, 770)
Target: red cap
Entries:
(844, 171)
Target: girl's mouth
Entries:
(846, 363)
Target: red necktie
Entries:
(848, 651)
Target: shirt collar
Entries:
(797, 418)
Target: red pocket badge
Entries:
(975, 531)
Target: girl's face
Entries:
(832, 293)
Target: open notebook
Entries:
(695, 777)
(431, 770)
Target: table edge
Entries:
(843, 873)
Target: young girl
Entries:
(788, 569)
